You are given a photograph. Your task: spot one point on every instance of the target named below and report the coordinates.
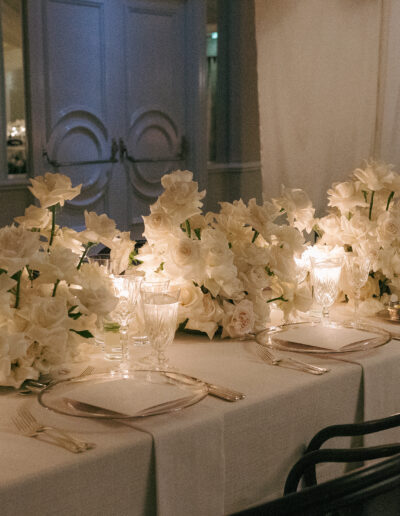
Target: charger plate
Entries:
(132, 395)
(314, 337)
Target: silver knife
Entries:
(214, 390)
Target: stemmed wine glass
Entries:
(126, 289)
(160, 315)
(357, 269)
(325, 275)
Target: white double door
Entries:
(118, 81)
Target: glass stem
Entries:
(325, 315)
(356, 303)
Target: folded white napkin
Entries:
(322, 337)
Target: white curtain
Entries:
(318, 80)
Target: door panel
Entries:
(114, 70)
(76, 117)
(155, 109)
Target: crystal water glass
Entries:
(126, 289)
(325, 275)
(357, 270)
(160, 315)
(137, 332)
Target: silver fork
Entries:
(27, 425)
(290, 362)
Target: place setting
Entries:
(323, 335)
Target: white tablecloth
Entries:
(213, 458)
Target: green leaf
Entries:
(256, 233)
(132, 257)
(86, 334)
(72, 314)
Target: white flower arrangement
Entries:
(49, 297)
(229, 265)
(364, 219)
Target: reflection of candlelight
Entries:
(325, 279)
(326, 272)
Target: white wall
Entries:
(318, 70)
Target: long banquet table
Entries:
(213, 458)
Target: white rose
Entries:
(346, 196)
(181, 199)
(35, 217)
(238, 319)
(53, 189)
(256, 278)
(183, 259)
(282, 263)
(261, 216)
(298, 207)
(59, 264)
(388, 227)
(68, 238)
(289, 238)
(17, 247)
(121, 248)
(202, 311)
(96, 292)
(46, 312)
(99, 228)
(375, 176)
(15, 366)
(157, 225)
(355, 230)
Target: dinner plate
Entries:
(132, 395)
(314, 337)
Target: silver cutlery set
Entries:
(29, 426)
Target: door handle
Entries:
(113, 158)
(182, 154)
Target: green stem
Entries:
(53, 223)
(88, 246)
(280, 298)
(17, 277)
(371, 204)
(55, 288)
(188, 228)
(30, 274)
(391, 195)
(256, 233)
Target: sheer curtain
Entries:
(319, 69)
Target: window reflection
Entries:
(11, 20)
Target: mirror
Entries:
(14, 84)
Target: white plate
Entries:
(132, 395)
(313, 337)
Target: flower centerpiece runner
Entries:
(231, 266)
(49, 298)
